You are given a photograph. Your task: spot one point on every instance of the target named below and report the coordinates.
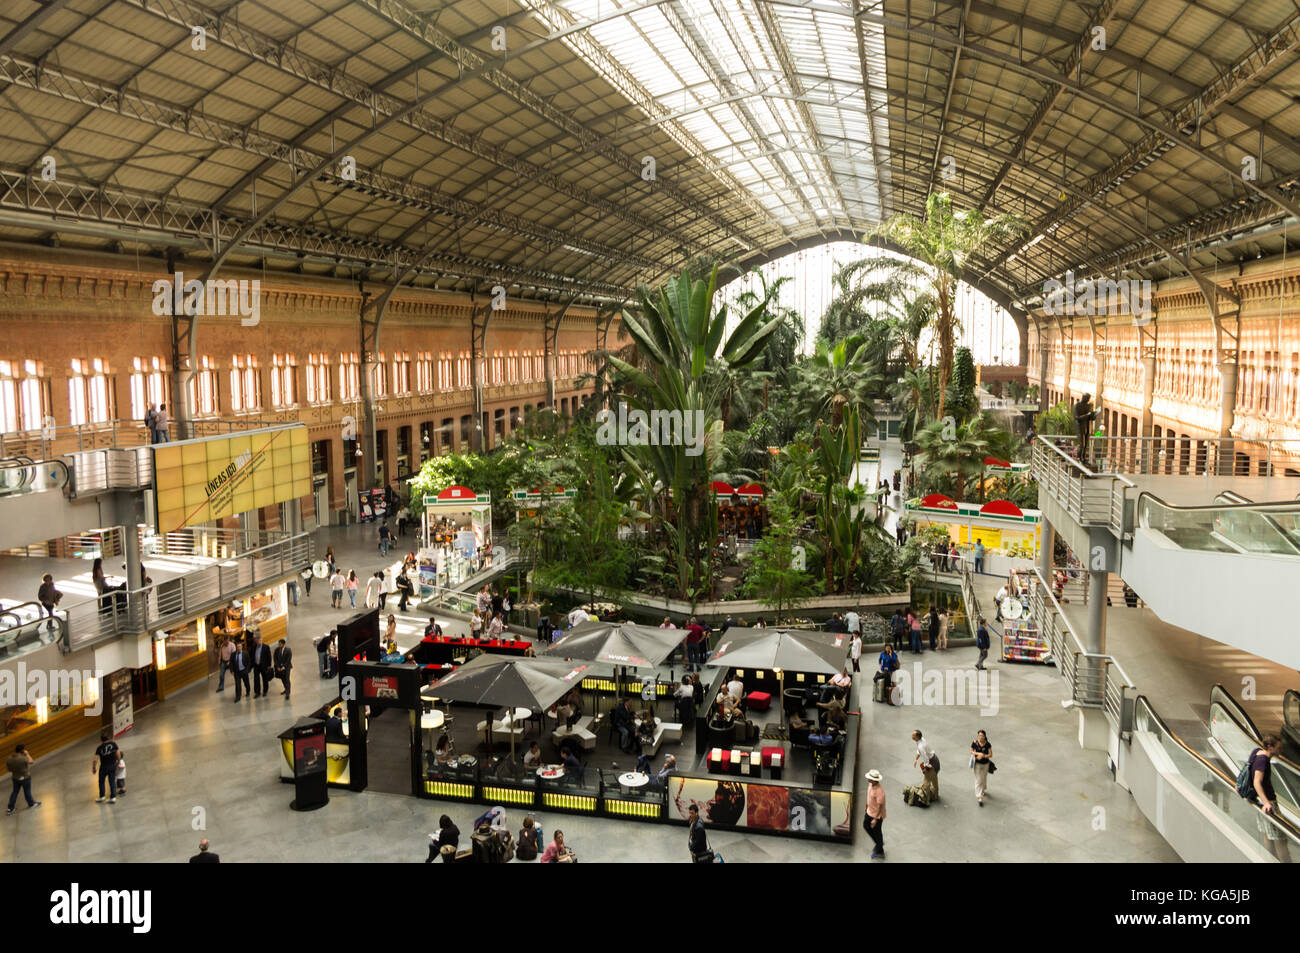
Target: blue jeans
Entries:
(106, 778)
(352, 597)
(221, 679)
(383, 546)
(916, 640)
(25, 785)
(979, 564)
(293, 590)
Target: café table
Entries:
(431, 721)
(631, 781)
(550, 772)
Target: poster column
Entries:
(119, 694)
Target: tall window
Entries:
(349, 376)
(283, 389)
(23, 395)
(379, 377)
(245, 384)
(462, 370)
(539, 366)
(318, 378)
(424, 372)
(401, 372)
(203, 387)
(444, 370)
(498, 361)
(88, 394)
(148, 384)
(526, 365)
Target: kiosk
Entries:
(455, 527)
(303, 746)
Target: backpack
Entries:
(1246, 779)
(150, 416)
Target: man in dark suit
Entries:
(240, 665)
(283, 660)
(205, 856)
(261, 668)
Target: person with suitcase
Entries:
(884, 679)
(697, 841)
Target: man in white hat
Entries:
(873, 821)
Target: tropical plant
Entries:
(940, 247)
(837, 378)
(680, 335)
(955, 451)
(961, 400)
(772, 575)
(1056, 420)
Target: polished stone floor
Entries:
(198, 765)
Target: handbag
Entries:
(992, 767)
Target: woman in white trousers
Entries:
(981, 753)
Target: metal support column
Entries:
(371, 318)
(477, 345)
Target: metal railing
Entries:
(1259, 528)
(231, 573)
(1096, 681)
(97, 471)
(1198, 456)
(1090, 499)
(26, 626)
(47, 442)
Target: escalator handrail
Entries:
(1233, 499)
(1214, 769)
(1287, 505)
(1250, 729)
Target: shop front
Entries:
(1009, 534)
(456, 529)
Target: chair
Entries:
(799, 736)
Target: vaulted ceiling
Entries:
(573, 148)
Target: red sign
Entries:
(381, 687)
(1001, 508)
(939, 501)
(457, 493)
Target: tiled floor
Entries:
(201, 766)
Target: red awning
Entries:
(457, 493)
(995, 462)
(1001, 508)
(939, 501)
(722, 489)
(750, 489)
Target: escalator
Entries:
(1233, 736)
(1209, 569)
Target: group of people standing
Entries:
(488, 620)
(906, 626)
(256, 661)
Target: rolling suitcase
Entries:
(879, 690)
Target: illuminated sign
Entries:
(197, 482)
(381, 686)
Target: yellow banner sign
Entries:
(197, 482)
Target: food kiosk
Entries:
(1002, 526)
(455, 527)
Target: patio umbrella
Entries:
(782, 650)
(510, 682)
(615, 644)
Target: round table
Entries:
(550, 772)
(519, 714)
(431, 721)
(632, 780)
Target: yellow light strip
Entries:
(508, 795)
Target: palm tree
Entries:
(957, 451)
(940, 247)
(838, 377)
(683, 340)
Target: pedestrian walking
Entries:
(405, 587)
(240, 664)
(697, 840)
(390, 587)
(307, 575)
(873, 819)
(205, 856)
(49, 596)
(981, 762)
(292, 586)
(928, 761)
(352, 584)
(283, 665)
(261, 668)
(982, 643)
(104, 765)
(160, 424)
(934, 628)
(943, 630)
(120, 775)
(979, 556)
(337, 583)
(20, 773)
(323, 651)
(374, 585)
(914, 630)
(226, 651)
(855, 651)
(385, 537)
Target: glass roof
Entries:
(768, 97)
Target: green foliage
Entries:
(961, 400)
(770, 576)
(1058, 419)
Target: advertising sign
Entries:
(381, 687)
(309, 754)
(197, 482)
(119, 693)
(727, 802)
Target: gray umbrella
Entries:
(615, 644)
(509, 682)
(817, 653)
